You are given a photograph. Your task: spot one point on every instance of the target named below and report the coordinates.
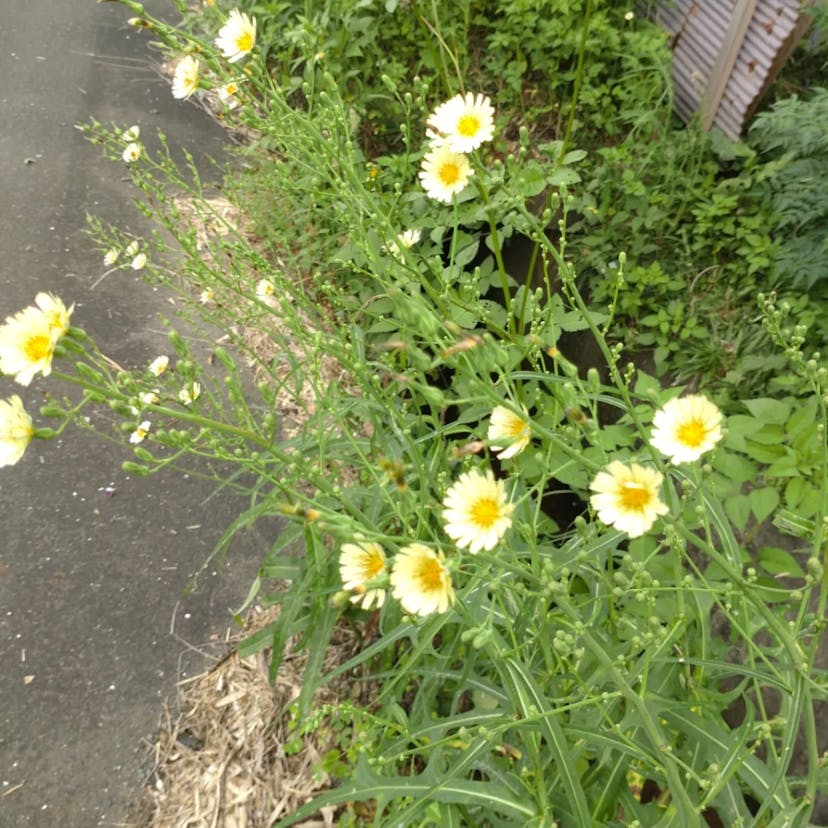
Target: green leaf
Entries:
(763, 502)
(737, 509)
(769, 411)
(779, 562)
(530, 702)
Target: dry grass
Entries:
(219, 760)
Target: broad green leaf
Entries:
(768, 410)
(763, 502)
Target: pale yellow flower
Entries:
(686, 427)
(148, 397)
(159, 365)
(227, 94)
(420, 580)
(139, 262)
(508, 428)
(406, 239)
(477, 511)
(465, 122)
(190, 393)
(266, 292)
(16, 430)
(185, 77)
(111, 256)
(140, 432)
(131, 249)
(627, 497)
(444, 173)
(56, 313)
(27, 344)
(131, 153)
(237, 36)
(206, 297)
(132, 133)
(360, 563)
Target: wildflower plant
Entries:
(418, 418)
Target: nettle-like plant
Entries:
(625, 660)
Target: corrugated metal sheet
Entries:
(699, 31)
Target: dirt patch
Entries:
(219, 759)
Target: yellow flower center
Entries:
(468, 125)
(429, 575)
(691, 433)
(515, 427)
(372, 565)
(449, 173)
(485, 512)
(634, 496)
(38, 347)
(244, 42)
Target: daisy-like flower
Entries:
(227, 94)
(185, 77)
(131, 249)
(16, 430)
(477, 511)
(687, 427)
(27, 344)
(148, 397)
(627, 497)
(360, 563)
(266, 292)
(406, 239)
(465, 122)
(206, 297)
(237, 36)
(420, 580)
(111, 256)
(132, 133)
(444, 173)
(132, 152)
(159, 365)
(139, 262)
(56, 313)
(140, 433)
(507, 427)
(190, 393)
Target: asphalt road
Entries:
(93, 565)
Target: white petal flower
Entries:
(16, 430)
(444, 173)
(131, 250)
(185, 78)
(56, 313)
(140, 433)
(237, 36)
(131, 134)
(148, 397)
(132, 152)
(627, 497)
(159, 365)
(687, 427)
(227, 94)
(190, 393)
(360, 563)
(477, 512)
(27, 344)
(420, 580)
(111, 256)
(139, 262)
(465, 122)
(511, 432)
